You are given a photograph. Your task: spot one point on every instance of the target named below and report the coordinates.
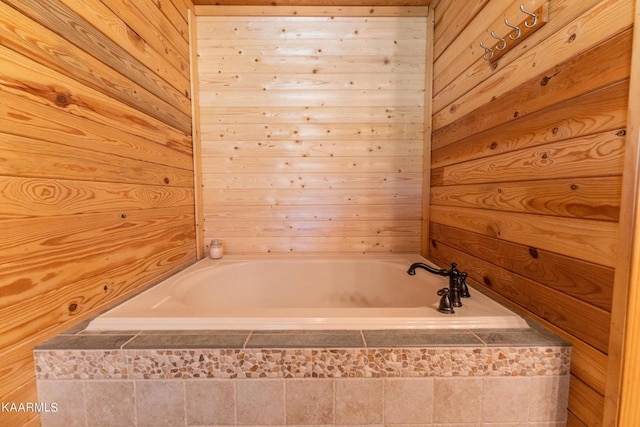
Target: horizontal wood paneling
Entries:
(96, 170)
(312, 180)
(59, 18)
(299, 47)
(593, 241)
(21, 419)
(594, 112)
(24, 79)
(526, 168)
(311, 141)
(311, 10)
(563, 310)
(346, 3)
(318, 213)
(36, 197)
(591, 198)
(563, 82)
(586, 405)
(589, 282)
(584, 32)
(61, 161)
(571, 158)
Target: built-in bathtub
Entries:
(362, 344)
(303, 292)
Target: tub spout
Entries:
(457, 280)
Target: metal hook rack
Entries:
(517, 33)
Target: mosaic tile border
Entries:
(302, 363)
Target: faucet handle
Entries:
(464, 289)
(445, 305)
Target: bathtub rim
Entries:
(283, 321)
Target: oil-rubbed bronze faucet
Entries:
(457, 285)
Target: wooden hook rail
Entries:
(531, 23)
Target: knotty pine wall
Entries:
(527, 161)
(312, 130)
(96, 168)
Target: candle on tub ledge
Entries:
(215, 249)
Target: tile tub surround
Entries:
(251, 378)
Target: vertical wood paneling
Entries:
(312, 131)
(96, 167)
(526, 169)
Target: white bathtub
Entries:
(303, 292)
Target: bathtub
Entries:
(302, 292)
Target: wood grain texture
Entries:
(310, 10)
(527, 170)
(622, 392)
(60, 161)
(590, 240)
(310, 140)
(567, 159)
(26, 393)
(586, 281)
(585, 404)
(593, 112)
(344, 3)
(591, 198)
(561, 83)
(586, 31)
(62, 20)
(557, 308)
(464, 50)
(26, 79)
(38, 197)
(96, 167)
(451, 21)
(50, 49)
(318, 213)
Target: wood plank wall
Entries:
(527, 160)
(96, 168)
(312, 130)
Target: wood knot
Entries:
(62, 100)
(533, 252)
(72, 307)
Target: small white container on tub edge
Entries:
(215, 249)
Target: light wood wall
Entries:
(96, 168)
(312, 129)
(527, 161)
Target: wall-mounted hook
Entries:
(503, 42)
(515, 27)
(488, 54)
(534, 17)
